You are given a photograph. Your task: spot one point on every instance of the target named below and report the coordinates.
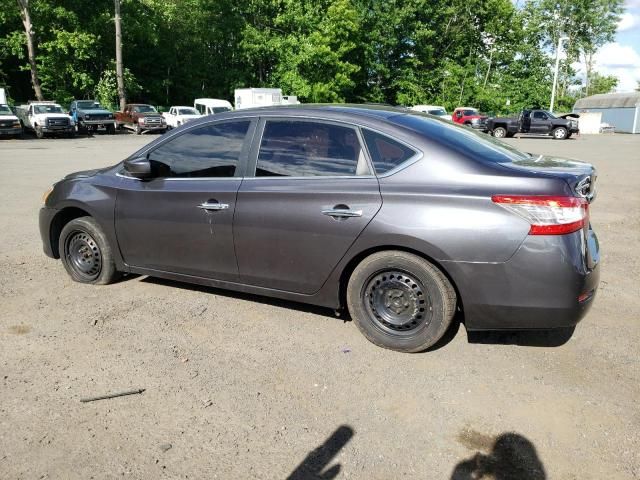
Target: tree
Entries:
(25, 15)
(599, 83)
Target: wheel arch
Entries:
(58, 222)
(356, 259)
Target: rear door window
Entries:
(309, 149)
(386, 153)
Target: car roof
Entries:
(212, 101)
(331, 109)
(182, 106)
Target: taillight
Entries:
(547, 215)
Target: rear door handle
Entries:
(213, 206)
(340, 213)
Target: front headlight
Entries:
(141, 120)
(16, 123)
(110, 116)
(87, 117)
(46, 194)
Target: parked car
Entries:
(9, 123)
(403, 219)
(537, 122)
(177, 116)
(46, 118)
(141, 118)
(89, 116)
(470, 117)
(211, 106)
(432, 110)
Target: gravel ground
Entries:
(239, 386)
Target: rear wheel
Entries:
(559, 133)
(499, 132)
(400, 301)
(86, 253)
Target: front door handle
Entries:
(209, 206)
(342, 213)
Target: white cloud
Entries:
(628, 21)
(632, 4)
(621, 61)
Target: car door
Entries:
(540, 123)
(181, 220)
(313, 193)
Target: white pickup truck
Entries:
(9, 123)
(177, 116)
(46, 118)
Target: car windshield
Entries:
(89, 105)
(188, 111)
(5, 110)
(462, 139)
(437, 111)
(220, 109)
(144, 109)
(47, 109)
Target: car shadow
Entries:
(314, 466)
(510, 457)
(251, 297)
(527, 338)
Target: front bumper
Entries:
(550, 282)
(44, 222)
(99, 123)
(150, 128)
(59, 129)
(10, 131)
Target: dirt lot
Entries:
(238, 386)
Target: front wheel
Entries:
(85, 252)
(499, 132)
(39, 131)
(559, 133)
(138, 129)
(111, 130)
(400, 301)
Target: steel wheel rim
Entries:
(83, 255)
(397, 302)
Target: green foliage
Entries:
(483, 53)
(106, 91)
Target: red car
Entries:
(471, 117)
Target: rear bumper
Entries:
(550, 282)
(44, 222)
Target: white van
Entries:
(211, 106)
(436, 110)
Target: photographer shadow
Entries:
(512, 457)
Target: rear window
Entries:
(386, 153)
(465, 140)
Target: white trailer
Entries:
(3, 97)
(257, 97)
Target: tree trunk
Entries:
(119, 75)
(588, 60)
(23, 5)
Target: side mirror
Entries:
(138, 167)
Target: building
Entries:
(621, 110)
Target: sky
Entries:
(622, 57)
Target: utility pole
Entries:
(555, 73)
(119, 73)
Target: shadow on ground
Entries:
(529, 338)
(314, 466)
(510, 457)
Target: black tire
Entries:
(499, 132)
(138, 129)
(85, 252)
(559, 133)
(400, 301)
(111, 130)
(39, 132)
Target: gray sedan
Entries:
(400, 218)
